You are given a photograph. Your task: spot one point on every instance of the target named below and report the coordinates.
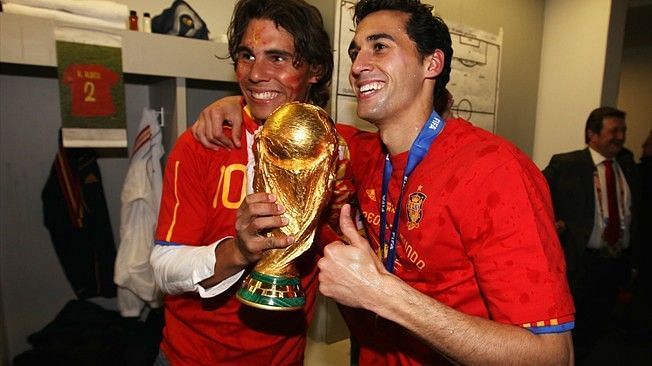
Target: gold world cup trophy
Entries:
(295, 154)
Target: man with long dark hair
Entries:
(209, 228)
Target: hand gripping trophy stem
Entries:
(296, 153)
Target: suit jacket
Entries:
(570, 178)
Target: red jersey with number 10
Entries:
(201, 194)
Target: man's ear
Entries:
(316, 72)
(435, 64)
(589, 135)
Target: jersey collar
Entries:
(249, 122)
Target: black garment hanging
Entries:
(77, 218)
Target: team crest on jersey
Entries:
(415, 209)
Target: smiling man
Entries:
(597, 228)
(462, 261)
(208, 227)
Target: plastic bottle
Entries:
(133, 20)
(147, 23)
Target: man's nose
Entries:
(259, 71)
(360, 63)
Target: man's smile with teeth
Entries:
(371, 87)
(264, 95)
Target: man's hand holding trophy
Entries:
(295, 155)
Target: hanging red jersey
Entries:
(90, 89)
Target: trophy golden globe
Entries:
(295, 153)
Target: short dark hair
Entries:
(427, 30)
(304, 22)
(594, 122)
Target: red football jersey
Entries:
(476, 233)
(202, 191)
(90, 89)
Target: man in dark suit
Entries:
(595, 195)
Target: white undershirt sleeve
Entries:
(180, 268)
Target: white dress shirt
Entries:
(601, 206)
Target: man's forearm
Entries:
(183, 268)
(228, 262)
(466, 339)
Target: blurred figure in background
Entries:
(595, 193)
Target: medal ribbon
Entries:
(418, 151)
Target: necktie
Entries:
(612, 231)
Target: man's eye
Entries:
(379, 47)
(245, 56)
(278, 58)
(353, 54)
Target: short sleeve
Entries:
(508, 231)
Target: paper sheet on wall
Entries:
(475, 72)
(91, 88)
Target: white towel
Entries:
(62, 16)
(87, 36)
(100, 9)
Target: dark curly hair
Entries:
(428, 31)
(304, 22)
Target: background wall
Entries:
(573, 53)
(522, 25)
(586, 64)
(635, 91)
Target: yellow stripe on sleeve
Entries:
(176, 204)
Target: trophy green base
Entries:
(271, 292)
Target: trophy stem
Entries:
(271, 292)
